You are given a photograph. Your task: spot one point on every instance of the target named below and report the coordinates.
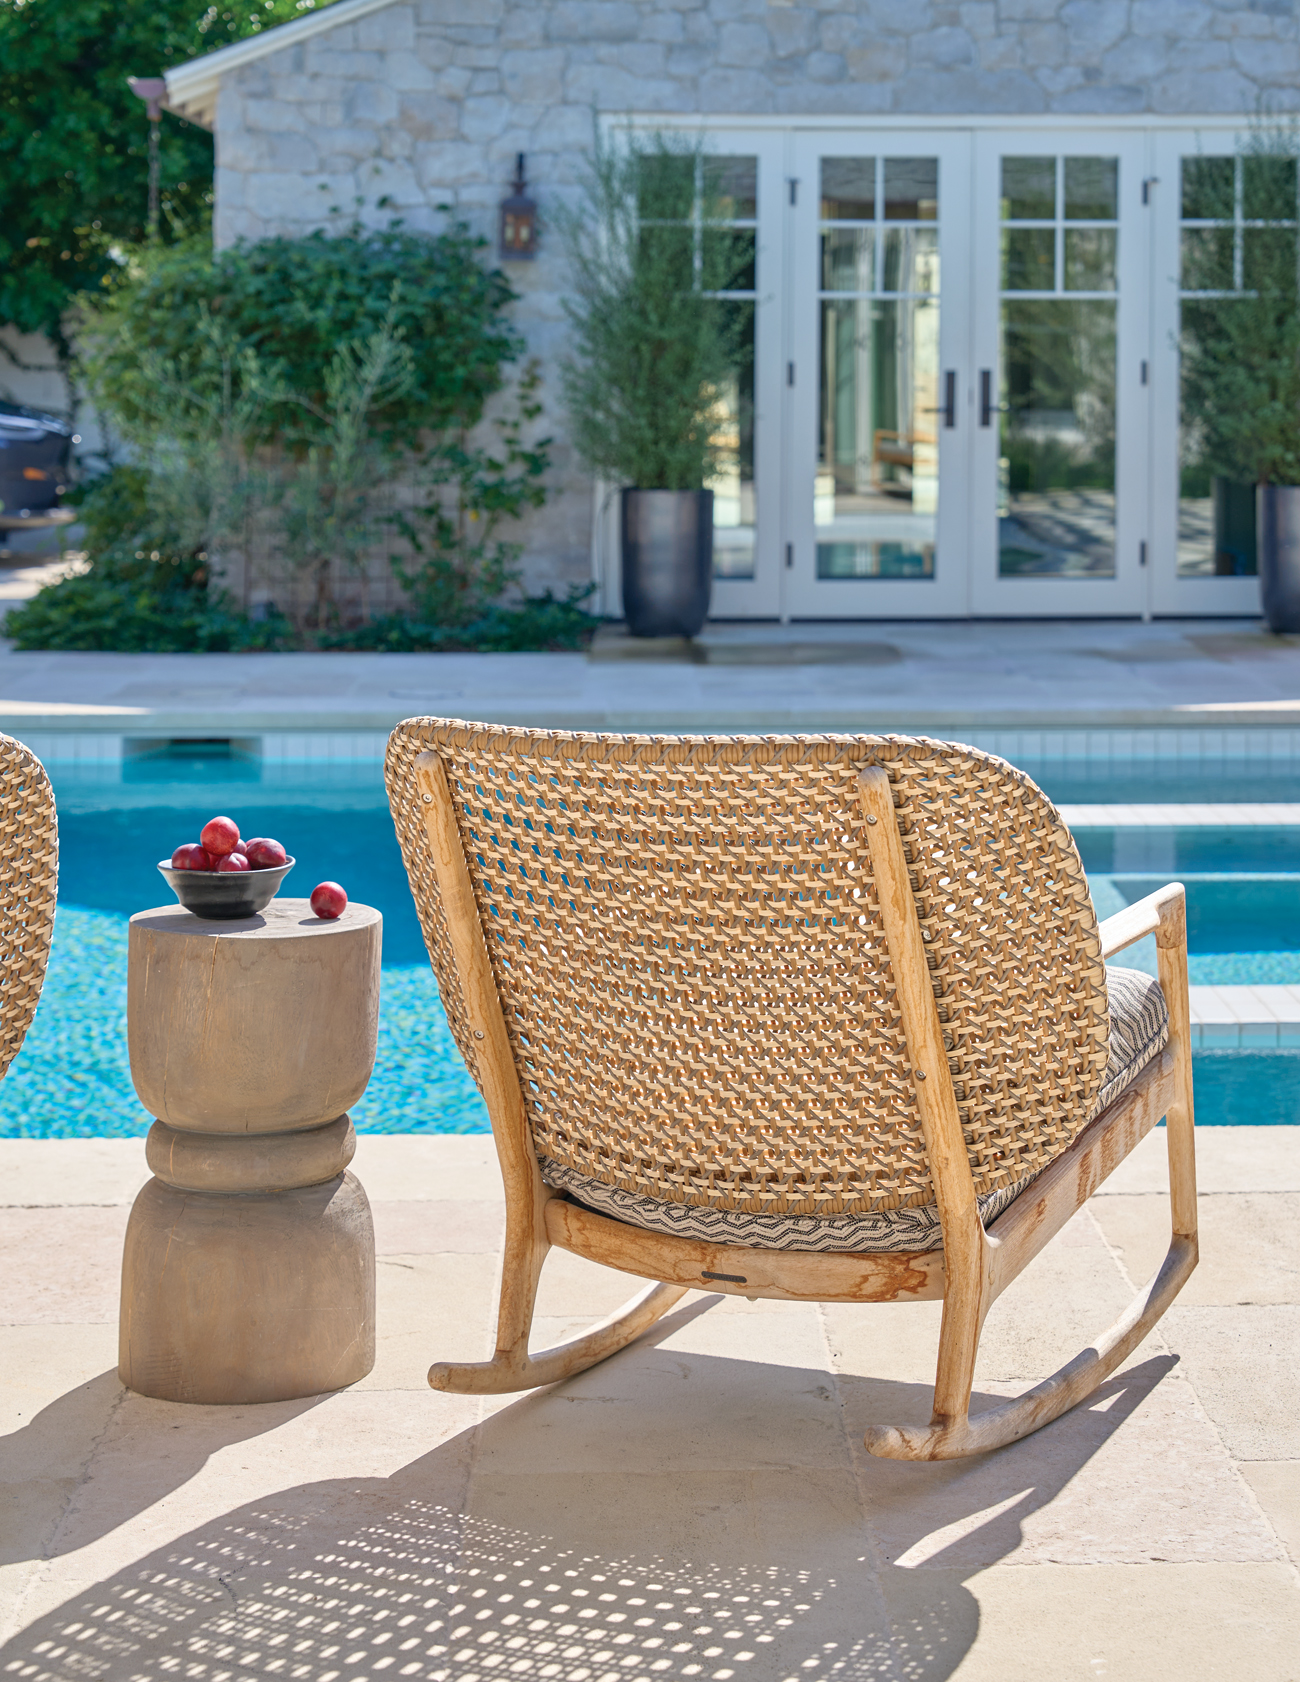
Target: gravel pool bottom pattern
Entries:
(72, 1077)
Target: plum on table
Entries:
(328, 900)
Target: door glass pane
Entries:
(1222, 201)
(733, 484)
(1056, 468)
(848, 189)
(1028, 189)
(730, 203)
(1090, 256)
(875, 495)
(1091, 189)
(911, 189)
(731, 184)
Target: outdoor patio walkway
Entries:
(698, 1507)
(922, 676)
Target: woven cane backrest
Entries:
(29, 875)
(689, 954)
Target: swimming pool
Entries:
(117, 818)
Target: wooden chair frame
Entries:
(968, 1274)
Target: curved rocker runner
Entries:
(819, 1018)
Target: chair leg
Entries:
(954, 1434)
(516, 1369)
(512, 1367)
(953, 1439)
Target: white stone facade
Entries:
(425, 103)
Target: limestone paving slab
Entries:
(700, 1503)
(1242, 1361)
(155, 1476)
(1250, 1244)
(1122, 1623)
(944, 675)
(1228, 1159)
(1276, 1486)
(52, 1173)
(430, 1308)
(64, 1266)
(438, 1226)
(415, 1167)
(648, 1574)
(1067, 1494)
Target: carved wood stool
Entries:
(249, 1268)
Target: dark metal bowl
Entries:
(218, 895)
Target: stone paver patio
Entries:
(699, 1506)
(941, 677)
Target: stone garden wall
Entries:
(424, 104)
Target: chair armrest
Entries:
(1163, 914)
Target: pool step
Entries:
(1190, 815)
(1262, 1018)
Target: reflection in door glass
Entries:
(1056, 468)
(876, 492)
(1231, 211)
(733, 483)
(730, 204)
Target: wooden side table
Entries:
(249, 1268)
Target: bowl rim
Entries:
(166, 865)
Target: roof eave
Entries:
(192, 87)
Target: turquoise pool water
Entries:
(1167, 779)
(72, 1077)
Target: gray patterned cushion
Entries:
(1139, 1028)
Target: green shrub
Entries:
(653, 345)
(156, 611)
(309, 405)
(160, 600)
(293, 303)
(537, 622)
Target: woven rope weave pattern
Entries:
(687, 945)
(29, 874)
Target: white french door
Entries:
(748, 185)
(1061, 370)
(958, 388)
(1202, 526)
(876, 414)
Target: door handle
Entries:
(948, 408)
(988, 408)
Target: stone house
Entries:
(962, 392)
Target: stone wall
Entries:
(426, 102)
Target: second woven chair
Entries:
(812, 1018)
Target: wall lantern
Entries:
(518, 220)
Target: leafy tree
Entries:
(75, 139)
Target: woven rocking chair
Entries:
(813, 1018)
(29, 876)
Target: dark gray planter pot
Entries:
(1278, 523)
(1235, 545)
(667, 561)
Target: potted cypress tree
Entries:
(1241, 355)
(651, 347)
